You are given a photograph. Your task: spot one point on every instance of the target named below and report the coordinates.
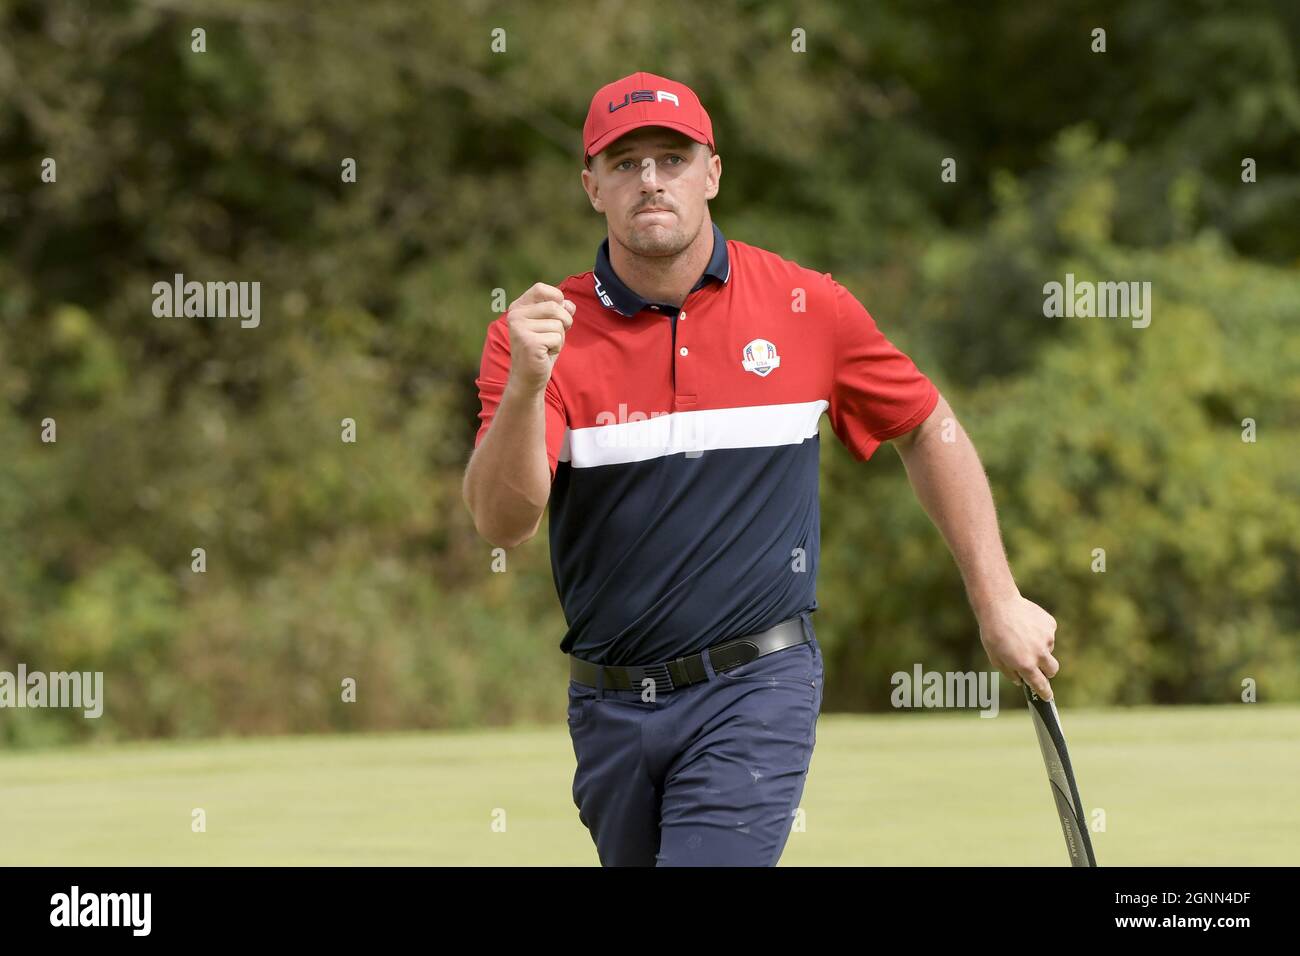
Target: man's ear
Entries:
(590, 186)
(715, 175)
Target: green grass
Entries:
(1179, 786)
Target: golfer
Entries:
(666, 405)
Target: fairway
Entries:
(1179, 786)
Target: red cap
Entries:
(643, 99)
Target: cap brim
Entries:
(603, 142)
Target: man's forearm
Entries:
(951, 486)
(508, 481)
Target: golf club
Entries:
(1060, 776)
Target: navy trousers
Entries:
(707, 775)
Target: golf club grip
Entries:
(1060, 776)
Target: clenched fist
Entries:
(538, 321)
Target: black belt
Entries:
(690, 670)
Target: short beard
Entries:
(658, 242)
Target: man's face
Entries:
(653, 167)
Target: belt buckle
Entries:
(654, 672)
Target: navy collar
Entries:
(615, 295)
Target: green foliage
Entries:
(329, 560)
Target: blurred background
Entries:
(328, 560)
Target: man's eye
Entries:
(631, 162)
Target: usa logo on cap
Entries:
(643, 99)
(760, 357)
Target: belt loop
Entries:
(707, 656)
(806, 620)
(600, 681)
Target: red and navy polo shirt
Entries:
(683, 446)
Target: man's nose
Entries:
(649, 176)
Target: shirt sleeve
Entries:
(877, 393)
(494, 372)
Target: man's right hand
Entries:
(538, 321)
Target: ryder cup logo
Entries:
(760, 357)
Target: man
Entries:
(666, 406)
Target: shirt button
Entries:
(682, 317)
(683, 350)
